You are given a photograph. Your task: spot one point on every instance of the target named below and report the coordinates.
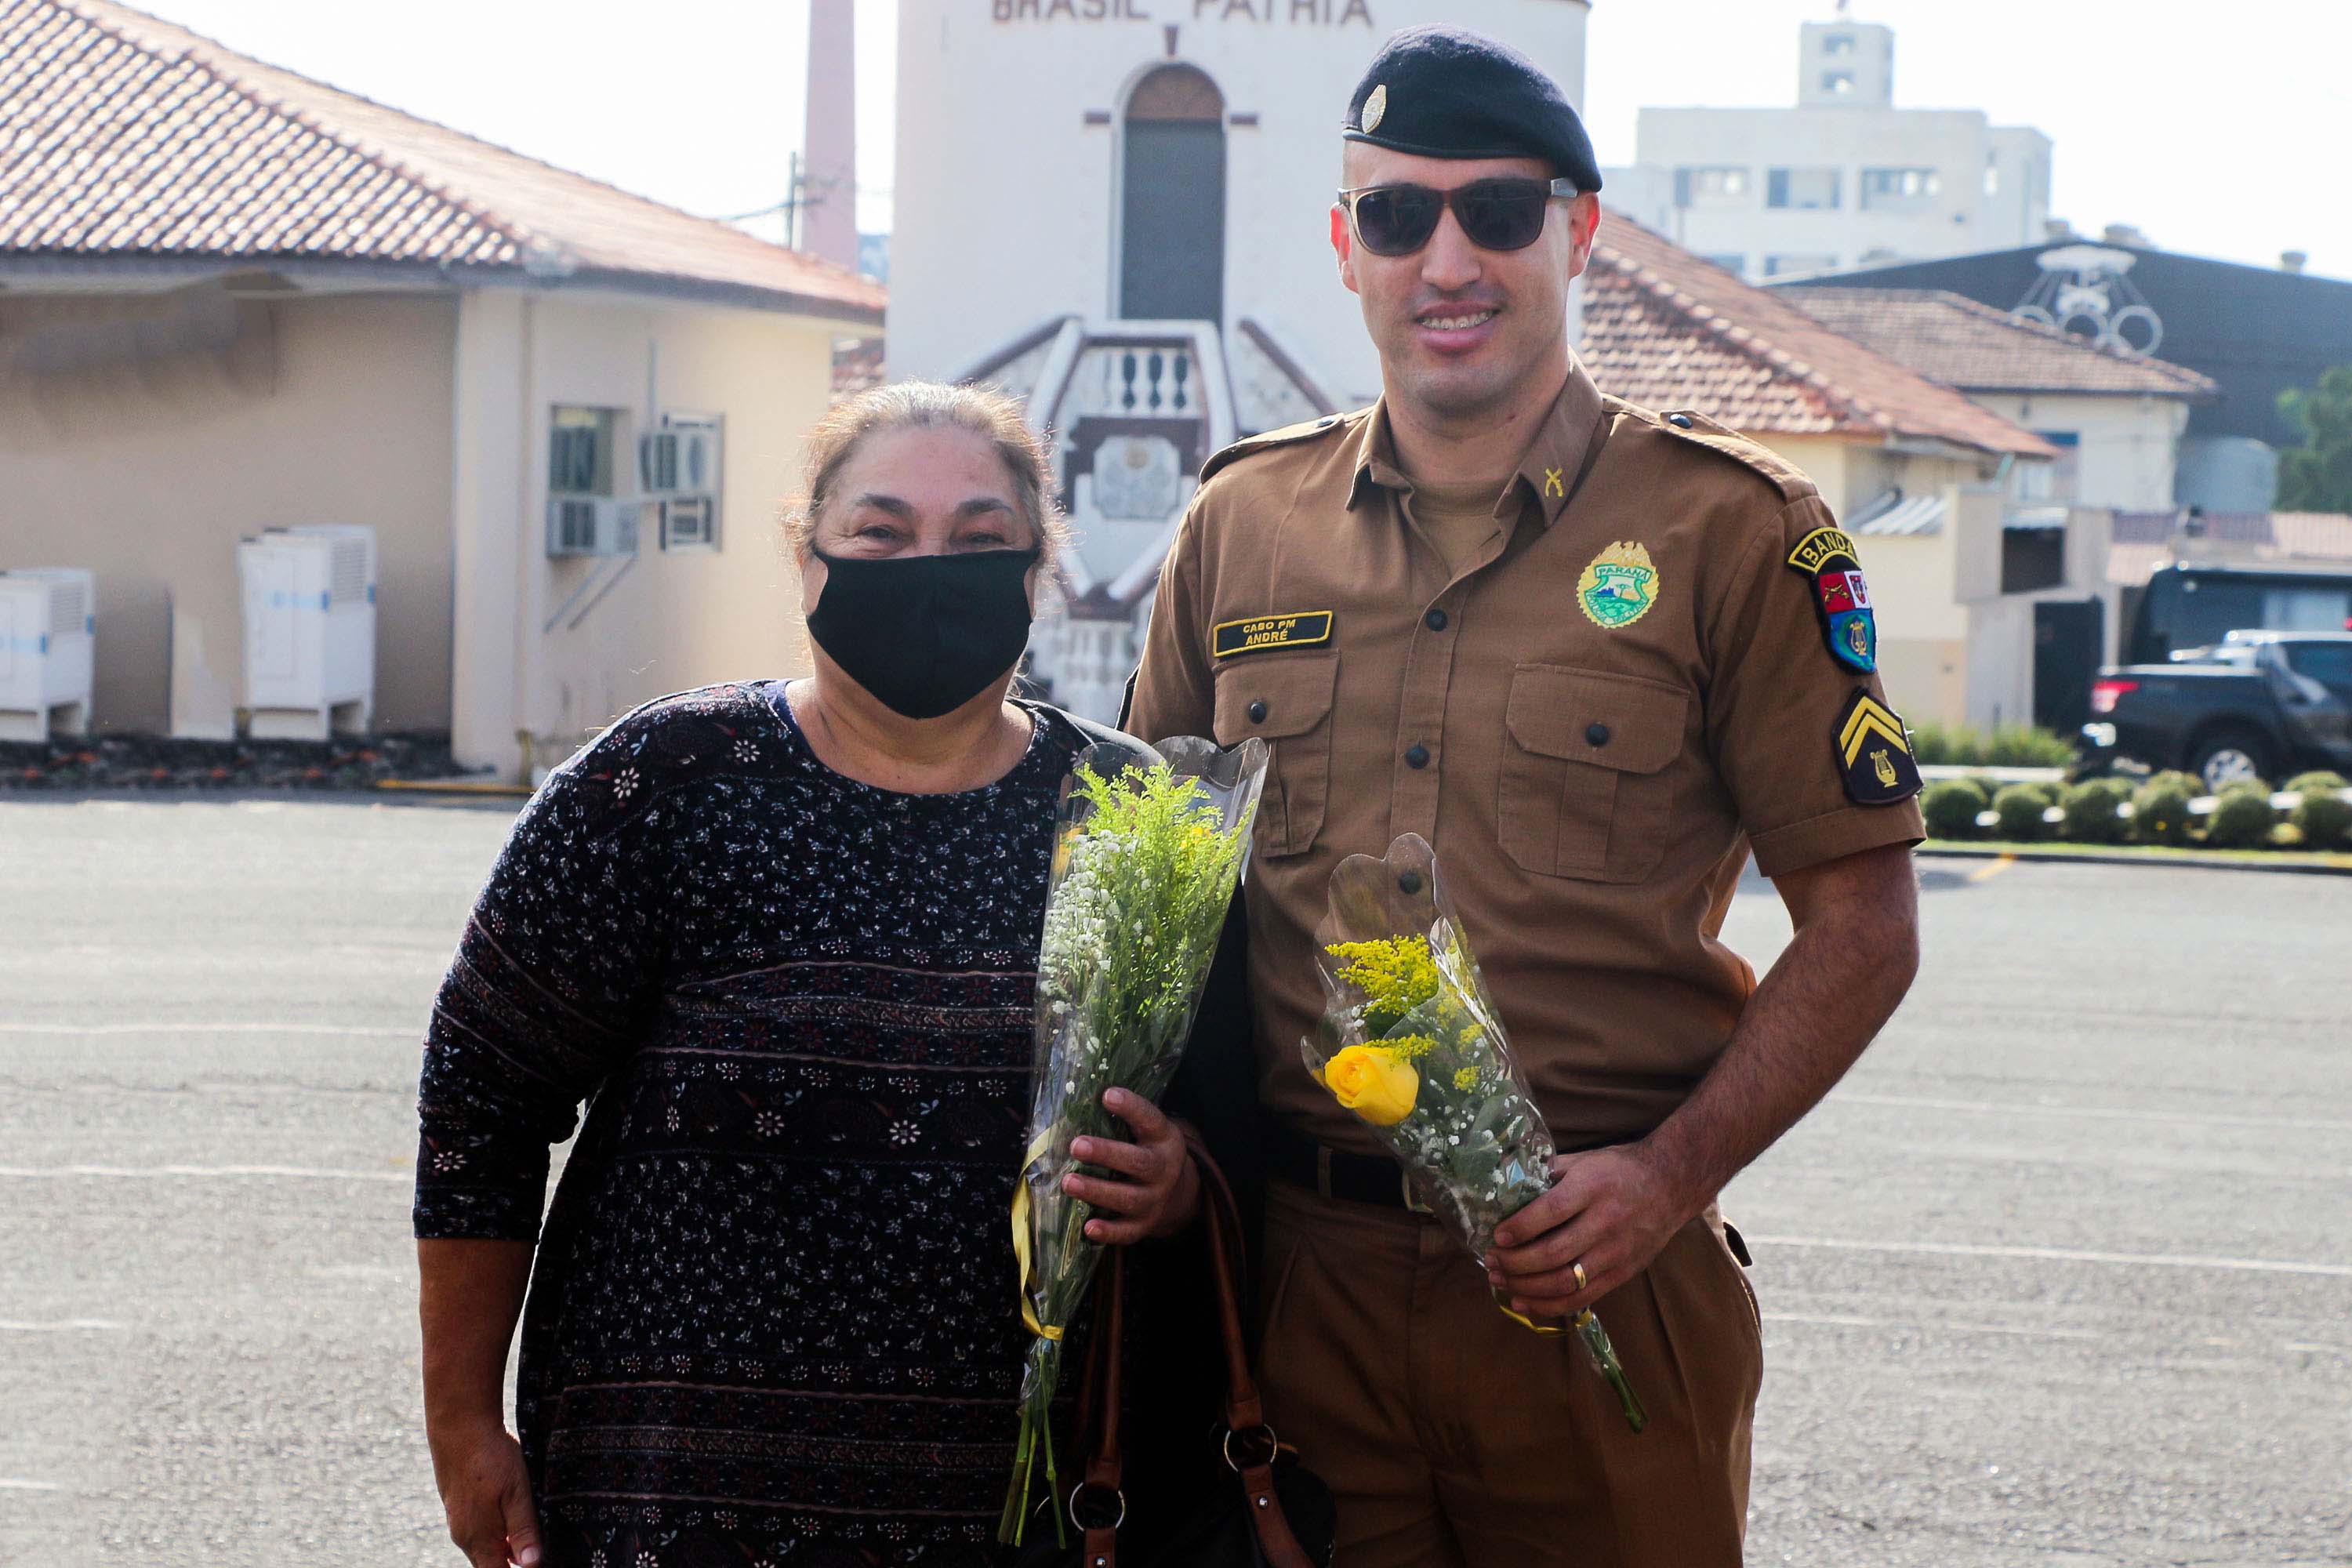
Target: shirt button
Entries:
(1434, 620)
(1597, 735)
(1417, 758)
(1257, 713)
(1679, 421)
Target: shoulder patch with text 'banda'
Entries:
(1264, 634)
(1832, 566)
(1874, 752)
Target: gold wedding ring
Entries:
(1577, 1269)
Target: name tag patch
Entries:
(1264, 634)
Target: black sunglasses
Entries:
(1495, 214)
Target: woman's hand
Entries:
(1153, 1189)
(487, 1494)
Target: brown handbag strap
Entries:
(1098, 1408)
(1244, 1411)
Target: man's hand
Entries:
(487, 1494)
(1153, 1190)
(1609, 1209)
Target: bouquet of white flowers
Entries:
(1410, 1042)
(1148, 847)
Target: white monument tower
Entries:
(1119, 210)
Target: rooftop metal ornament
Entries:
(2087, 291)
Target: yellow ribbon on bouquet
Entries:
(1021, 1237)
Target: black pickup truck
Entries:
(2260, 705)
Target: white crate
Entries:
(309, 631)
(47, 630)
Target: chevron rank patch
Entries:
(1873, 751)
(1827, 559)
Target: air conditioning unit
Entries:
(48, 629)
(683, 461)
(591, 525)
(309, 631)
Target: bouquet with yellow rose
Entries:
(1410, 1042)
(1149, 843)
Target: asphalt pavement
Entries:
(2062, 1275)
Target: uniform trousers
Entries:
(1455, 1437)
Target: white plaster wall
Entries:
(672, 619)
(1848, 138)
(2128, 444)
(986, 245)
(334, 409)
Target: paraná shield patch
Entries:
(1619, 586)
(1874, 752)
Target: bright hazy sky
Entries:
(2218, 128)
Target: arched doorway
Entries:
(1173, 199)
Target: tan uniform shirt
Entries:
(1591, 789)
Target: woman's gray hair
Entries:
(932, 405)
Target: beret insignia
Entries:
(1376, 106)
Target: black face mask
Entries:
(925, 634)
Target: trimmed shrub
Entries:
(2052, 791)
(2241, 819)
(2091, 812)
(2160, 808)
(2011, 746)
(2323, 818)
(2245, 786)
(1950, 806)
(2020, 809)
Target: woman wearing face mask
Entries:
(781, 936)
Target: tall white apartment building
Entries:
(1843, 179)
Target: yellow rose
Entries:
(1373, 1084)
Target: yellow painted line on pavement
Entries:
(456, 786)
(1991, 869)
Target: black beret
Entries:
(1448, 92)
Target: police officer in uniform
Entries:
(1598, 656)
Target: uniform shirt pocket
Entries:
(1585, 788)
(1284, 700)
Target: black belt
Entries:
(1359, 1178)
(1336, 1173)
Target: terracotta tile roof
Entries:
(123, 136)
(1666, 329)
(1959, 342)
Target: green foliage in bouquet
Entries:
(1144, 865)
